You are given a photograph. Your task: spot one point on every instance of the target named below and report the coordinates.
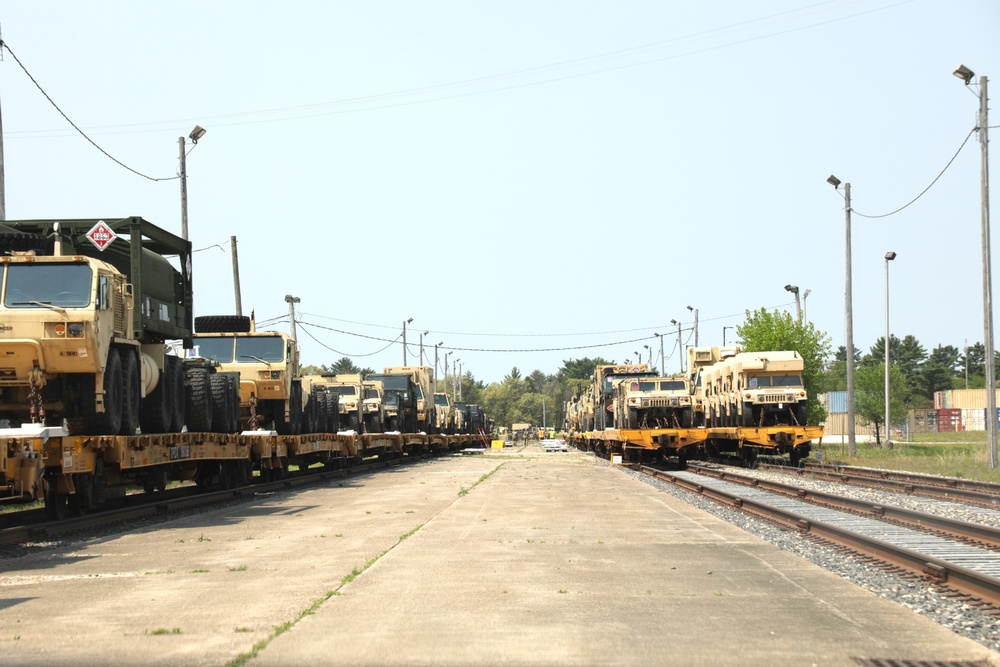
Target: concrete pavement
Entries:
(516, 558)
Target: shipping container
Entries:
(973, 419)
(836, 424)
(923, 421)
(949, 420)
(962, 398)
(835, 402)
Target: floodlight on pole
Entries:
(663, 362)
(680, 353)
(695, 311)
(292, 300)
(794, 289)
(805, 295)
(197, 133)
(404, 339)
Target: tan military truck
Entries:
(699, 360)
(444, 414)
(268, 364)
(86, 310)
(373, 414)
(423, 378)
(350, 391)
(757, 389)
(603, 384)
(654, 402)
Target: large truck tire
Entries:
(175, 379)
(221, 403)
(156, 410)
(131, 392)
(222, 324)
(108, 422)
(199, 401)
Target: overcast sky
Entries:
(529, 181)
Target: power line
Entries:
(521, 73)
(82, 133)
(924, 191)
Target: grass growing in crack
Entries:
(237, 568)
(279, 630)
(465, 491)
(164, 631)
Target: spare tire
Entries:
(222, 324)
(23, 241)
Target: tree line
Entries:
(915, 375)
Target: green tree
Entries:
(580, 369)
(939, 372)
(869, 396)
(344, 366)
(778, 330)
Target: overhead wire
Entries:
(4, 45)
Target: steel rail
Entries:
(914, 477)
(963, 495)
(965, 580)
(986, 535)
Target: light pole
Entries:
(436, 365)
(805, 295)
(663, 362)
(966, 75)
(404, 339)
(460, 371)
(637, 356)
(794, 289)
(650, 353)
(852, 445)
(724, 329)
(681, 356)
(456, 381)
(292, 300)
(889, 256)
(695, 311)
(422, 347)
(197, 133)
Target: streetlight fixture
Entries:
(197, 133)
(724, 330)
(889, 256)
(650, 353)
(852, 444)
(292, 300)
(679, 354)
(805, 295)
(794, 289)
(404, 339)
(663, 362)
(422, 347)
(695, 311)
(967, 75)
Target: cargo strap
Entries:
(252, 425)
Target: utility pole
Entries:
(236, 275)
(966, 75)
(680, 352)
(436, 365)
(405, 322)
(197, 133)
(852, 445)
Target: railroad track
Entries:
(955, 563)
(158, 504)
(972, 492)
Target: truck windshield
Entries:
(251, 350)
(40, 285)
(755, 381)
(220, 349)
(371, 393)
(672, 385)
(440, 400)
(345, 390)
